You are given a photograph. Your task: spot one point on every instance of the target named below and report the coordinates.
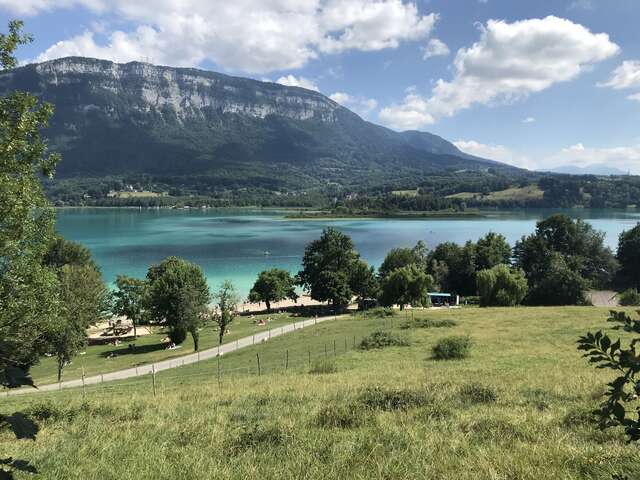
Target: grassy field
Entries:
(149, 348)
(516, 408)
(530, 192)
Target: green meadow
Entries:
(517, 407)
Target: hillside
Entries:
(136, 118)
(517, 407)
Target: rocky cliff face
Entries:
(116, 119)
(189, 92)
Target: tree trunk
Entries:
(196, 340)
(60, 366)
(401, 306)
(135, 330)
(268, 304)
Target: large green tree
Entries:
(408, 285)
(178, 295)
(327, 268)
(501, 286)
(629, 257)
(28, 290)
(128, 299)
(273, 286)
(65, 252)
(403, 257)
(226, 307)
(491, 250)
(454, 267)
(364, 283)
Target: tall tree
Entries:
(178, 294)
(403, 257)
(227, 305)
(455, 267)
(629, 257)
(85, 302)
(501, 286)
(406, 285)
(327, 266)
(28, 290)
(364, 283)
(128, 299)
(65, 252)
(273, 286)
(491, 250)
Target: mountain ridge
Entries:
(136, 117)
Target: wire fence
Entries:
(168, 375)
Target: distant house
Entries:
(444, 299)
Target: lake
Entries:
(231, 244)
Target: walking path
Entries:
(175, 362)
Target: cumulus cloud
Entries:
(435, 48)
(499, 153)
(293, 81)
(361, 105)
(244, 35)
(627, 75)
(509, 62)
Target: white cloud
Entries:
(244, 35)
(635, 96)
(625, 158)
(293, 81)
(499, 153)
(529, 120)
(435, 48)
(627, 75)
(361, 105)
(509, 62)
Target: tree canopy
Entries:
(629, 257)
(501, 286)
(408, 285)
(491, 250)
(273, 286)
(128, 299)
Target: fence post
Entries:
(84, 389)
(286, 361)
(253, 341)
(258, 360)
(309, 358)
(354, 342)
(269, 334)
(325, 350)
(345, 344)
(153, 378)
(334, 348)
(218, 362)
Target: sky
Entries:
(534, 83)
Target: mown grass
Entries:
(516, 408)
(149, 349)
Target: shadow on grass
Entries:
(125, 350)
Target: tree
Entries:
(403, 257)
(84, 302)
(364, 283)
(560, 285)
(623, 390)
(327, 266)
(491, 250)
(455, 267)
(629, 257)
(273, 286)
(501, 286)
(178, 294)
(65, 252)
(227, 303)
(406, 285)
(128, 299)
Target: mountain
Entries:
(593, 169)
(137, 118)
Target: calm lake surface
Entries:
(230, 244)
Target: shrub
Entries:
(629, 298)
(429, 323)
(389, 399)
(451, 348)
(324, 366)
(341, 415)
(380, 312)
(177, 335)
(382, 339)
(477, 393)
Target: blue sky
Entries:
(535, 83)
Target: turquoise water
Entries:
(231, 244)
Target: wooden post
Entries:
(153, 378)
(309, 358)
(286, 361)
(269, 334)
(345, 344)
(218, 356)
(84, 388)
(258, 360)
(253, 341)
(334, 349)
(354, 342)
(325, 350)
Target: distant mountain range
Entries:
(593, 169)
(137, 118)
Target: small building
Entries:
(444, 299)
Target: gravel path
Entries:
(175, 362)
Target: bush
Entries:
(452, 348)
(429, 323)
(324, 366)
(629, 298)
(477, 393)
(177, 335)
(341, 415)
(382, 339)
(380, 312)
(388, 399)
